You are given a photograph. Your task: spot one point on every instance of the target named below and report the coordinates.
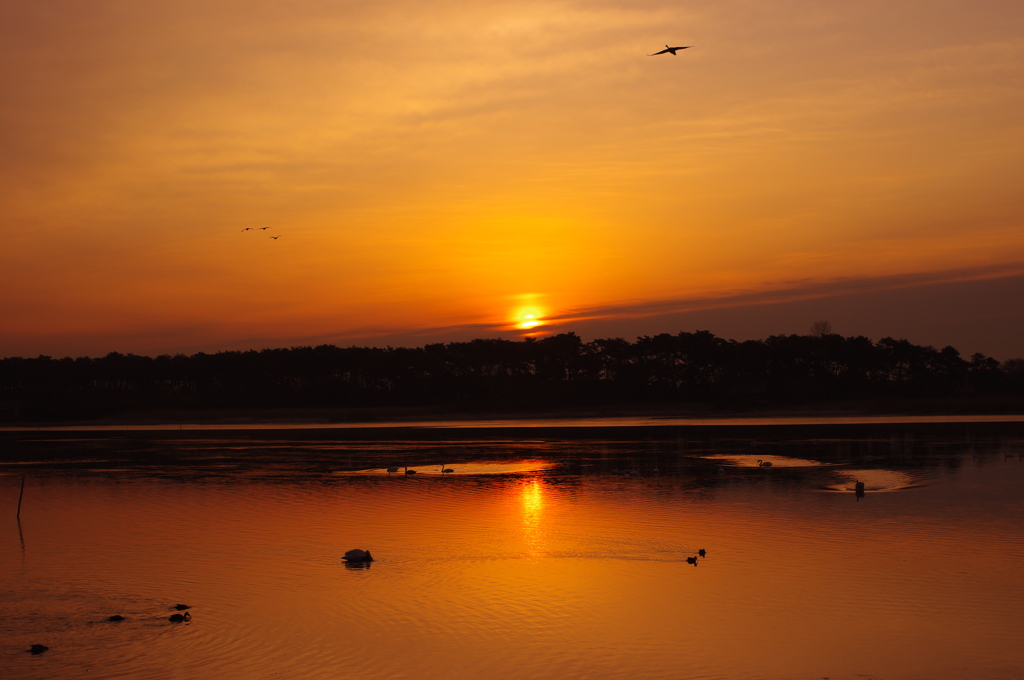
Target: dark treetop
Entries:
(555, 371)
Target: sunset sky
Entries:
(438, 170)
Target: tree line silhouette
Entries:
(493, 374)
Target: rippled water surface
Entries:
(537, 557)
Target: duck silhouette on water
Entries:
(37, 649)
(179, 618)
(358, 556)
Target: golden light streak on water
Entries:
(532, 498)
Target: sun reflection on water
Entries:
(532, 499)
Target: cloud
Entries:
(790, 291)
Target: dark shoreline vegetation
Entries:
(685, 374)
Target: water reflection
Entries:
(763, 461)
(875, 480)
(532, 501)
(552, 568)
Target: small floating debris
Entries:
(37, 649)
(181, 607)
(179, 618)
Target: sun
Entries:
(527, 315)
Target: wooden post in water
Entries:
(20, 496)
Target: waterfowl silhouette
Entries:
(691, 560)
(702, 552)
(264, 228)
(37, 649)
(181, 607)
(247, 229)
(671, 50)
(445, 470)
(357, 555)
(115, 617)
(178, 618)
(393, 468)
(409, 472)
(767, 463)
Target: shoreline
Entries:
(535, 423)
(876, 410)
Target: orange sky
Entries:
(437, 170)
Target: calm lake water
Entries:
(551, 555)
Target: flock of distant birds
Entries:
(396, 468)
(632, 472)
(261, 229)
(668, 50)
(117, 618)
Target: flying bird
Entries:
(264, 228)
(672, 50)
(275, 237)
(247, 229)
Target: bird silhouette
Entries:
(247, 229)
(702, 552)
(115, 618)
(181, 607)
(691, 560)
(445, 470)
(392, 469)
(409, 472)
(767, 463)
(275, 237)
(670, 50)
(264, 228)
(358, 555)
(37, 649)
(178, 618)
